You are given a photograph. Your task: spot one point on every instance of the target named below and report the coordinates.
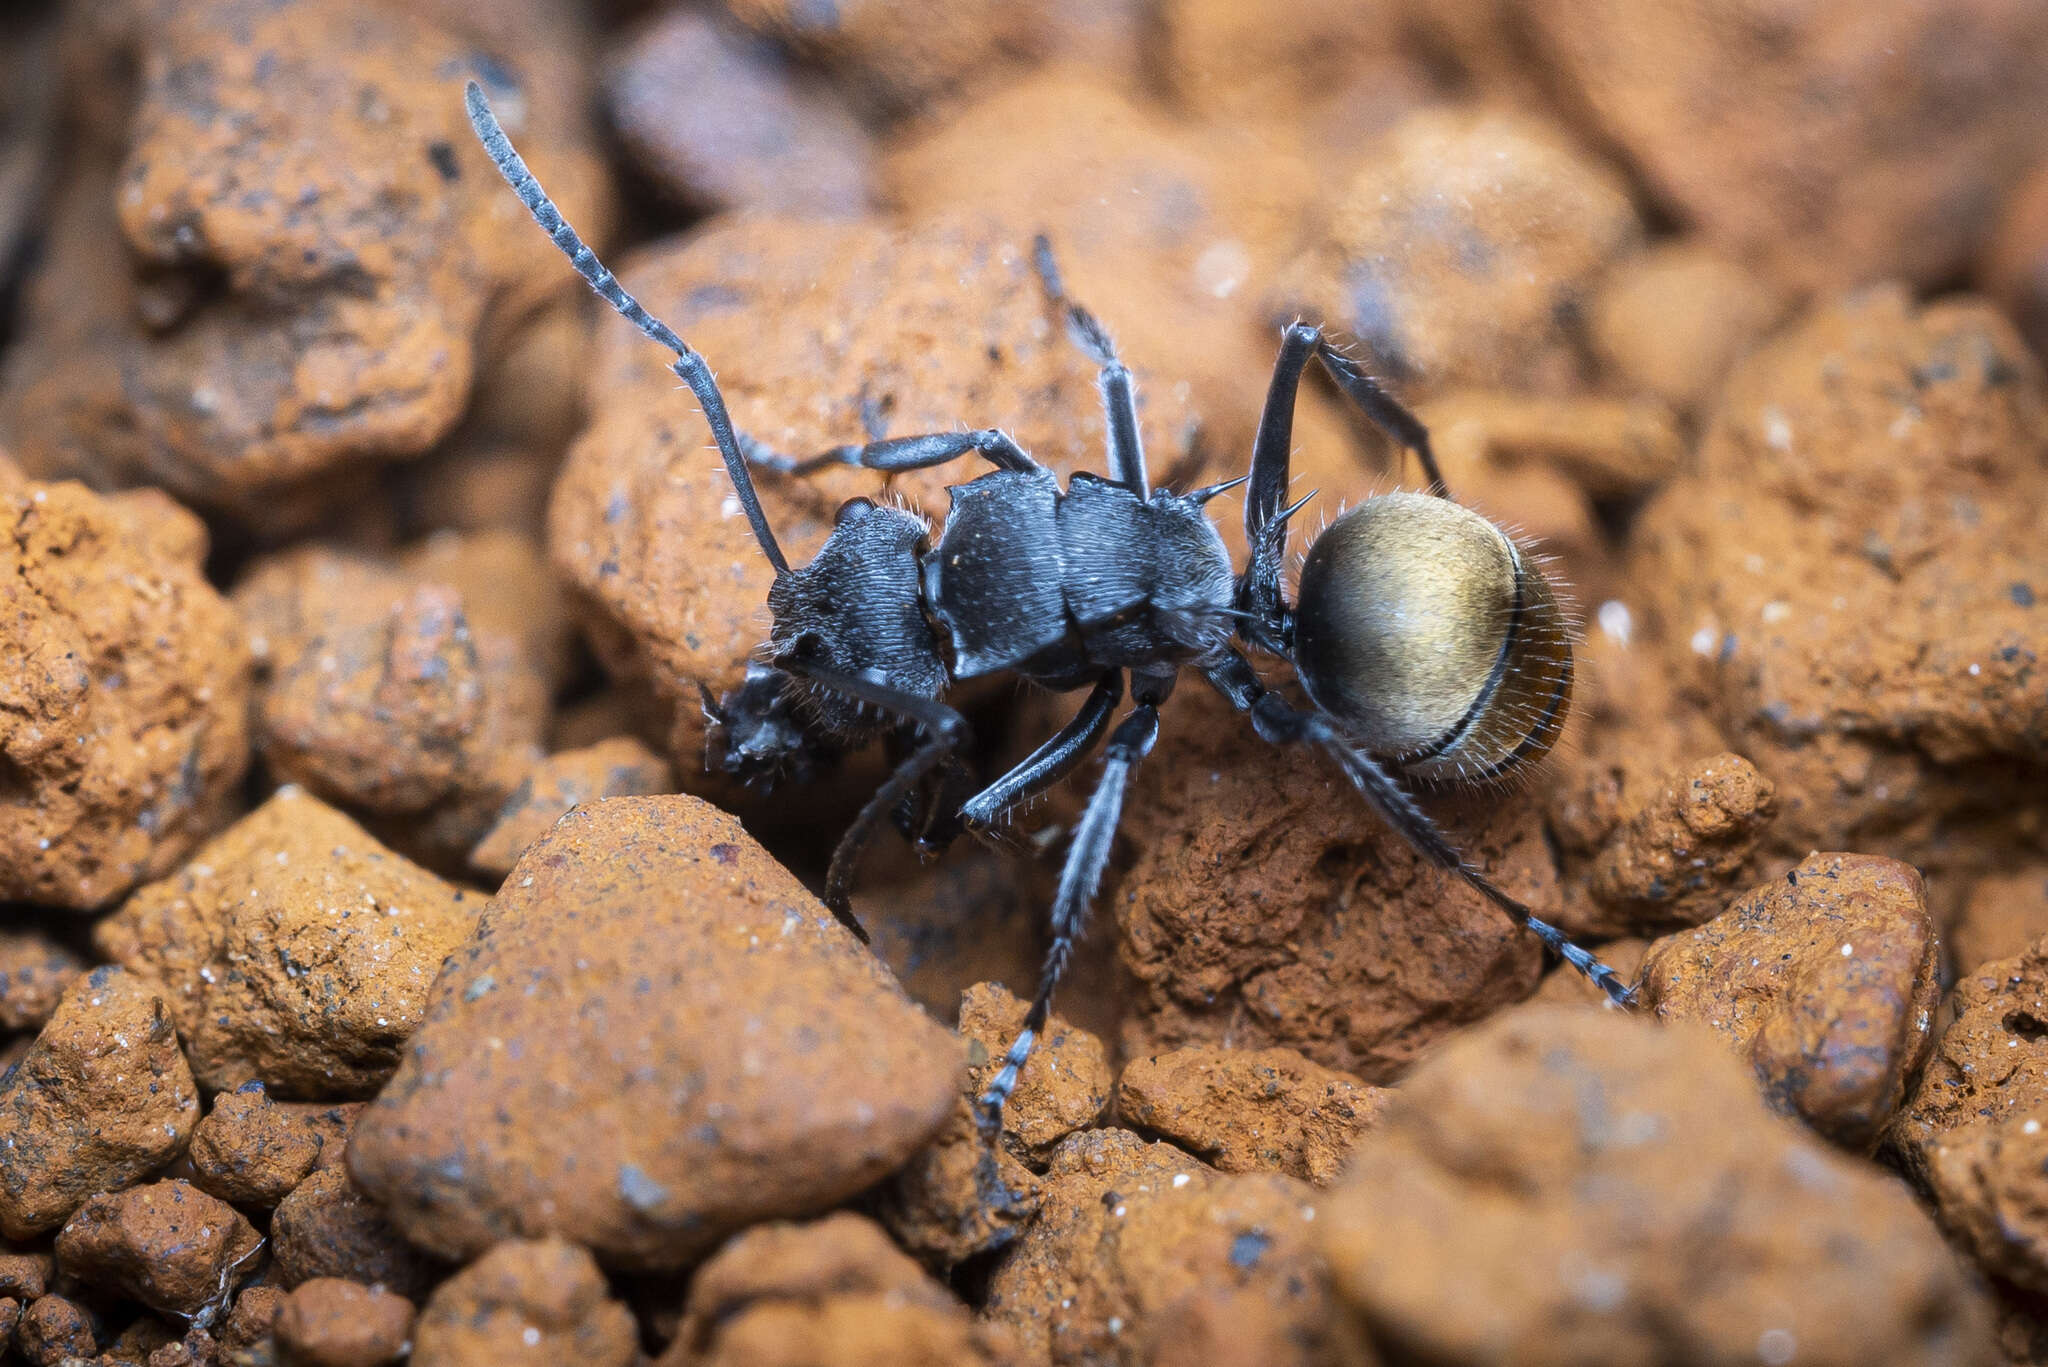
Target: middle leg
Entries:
(1050, 762)
(1079, 877)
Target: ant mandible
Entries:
(1428, 643)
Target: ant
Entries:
(1428, 643)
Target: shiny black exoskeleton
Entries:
(1429, 641)
(1065, 587)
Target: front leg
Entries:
(944, 734)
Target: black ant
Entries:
(1428, 643)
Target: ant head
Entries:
(1432, 639)
(755, 734)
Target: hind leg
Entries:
(1281, 724)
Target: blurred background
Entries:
(1733, 308)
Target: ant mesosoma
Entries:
(1427, 642)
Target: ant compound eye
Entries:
(853, 510)
(1427, 634)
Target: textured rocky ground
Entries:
(383, 977)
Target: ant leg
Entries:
(1086, 858)
(1269, 622)
(945, 732)
(1059, 756)
(1050, 762)
(688, 366)
(898, 454)
(1119, 399)
(934, 817)
(1281, 724)
(1386, 412)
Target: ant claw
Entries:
(842, 911)
(988, 1119)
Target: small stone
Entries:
(294, 949)
(1251, 1110)
(1848, 624)
(197, 1348)
(955, 1199)
(1062, 1087)
(539, 1303)
(494, 472)
(727, 1051)
(328, 1228)
(1460, 245)
(327, 1322)
(34, 971)
(413, 690)
(2014, 262)
(54, 1330)
(1157, 229)
(1268, 905)
(168, 1244)
(24, 1276)
(1132, 1236)
(2004, 913)
(249, 1322)
(259, 339)
(618, 767)
(1990, 1063)
(1673, 319)
(252, 1150)
(1824, 980)
(1255, 64)
(102, 1099)
(124, 714)
(1990, 1183)
(837, 1292)
(721, 120)
(1624, 1195)
(1715, 105)
(1034, 1290)
(896, 56)
(1676, 850)
(141, 1340)
(1608, 449)
(508, 591)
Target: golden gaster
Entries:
(1432, 638)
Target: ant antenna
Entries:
(689, 366)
